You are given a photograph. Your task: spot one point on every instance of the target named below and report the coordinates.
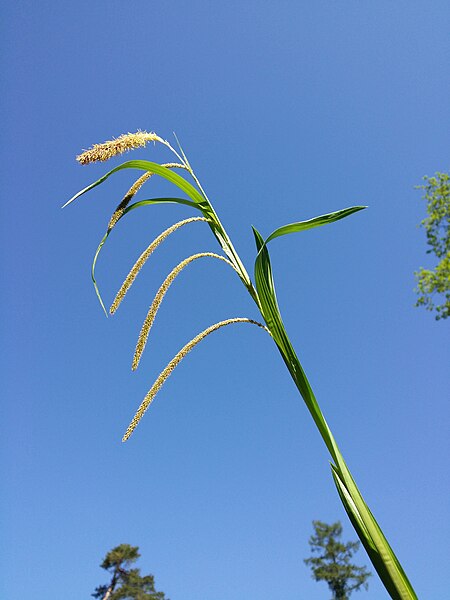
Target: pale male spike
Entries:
(151, 315)
(120, 209)
(143, 259)
(173, 364)
(124, 143)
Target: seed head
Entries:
(144, 257)
(150, 318)
(124, 143)
(117, 214)
(173, 363)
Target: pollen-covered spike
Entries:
(117, 214)
(149, 319)
(174, 362)
(124, 143)
(144, 257)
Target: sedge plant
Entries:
(262, 292)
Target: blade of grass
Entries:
(315, 222)
(381, 554)
(127, 210)
(145, 165)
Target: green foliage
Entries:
(120, 556)
(332, 563)
(126, 583)
(432, 283)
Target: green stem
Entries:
(223, 238)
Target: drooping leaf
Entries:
(198, 199)
(145, 165)
(127, 210)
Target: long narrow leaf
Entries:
(127, 210)
(315, 222)
(378, 549)
(269, 307)
(145, 165)
(398, 585)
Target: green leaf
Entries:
(127, 210)
(145, 165)
(199, 200)
(269, 307)
(258, 239)
(377, 547)
(379, 551)
(315, 222)
(94, 262)
(150, 201)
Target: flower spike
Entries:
(124, 143)
(174, 363)
(150, 318)
(143, 259)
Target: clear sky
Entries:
(287, 110)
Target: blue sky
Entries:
(286, 110)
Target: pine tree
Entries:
(332, 563)
(126, 583)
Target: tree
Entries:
(126, 583)
(437, 227)
(332, 563)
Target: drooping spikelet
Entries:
(125, 142)
(150, 318)
(173, 363)
(120, 208)
(144, 257)
(117, 214)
